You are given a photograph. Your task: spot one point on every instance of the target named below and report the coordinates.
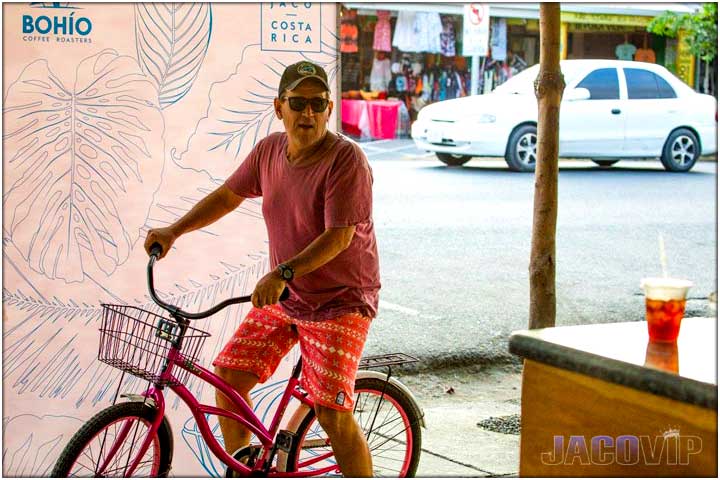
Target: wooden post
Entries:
(549, 87)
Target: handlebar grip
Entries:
(285, 294)
(156, 250)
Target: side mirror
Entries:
(577, 94)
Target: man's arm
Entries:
(324, 248)
(208, 210)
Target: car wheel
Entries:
(681, 151)
(453, 160)
(521, 152)
(606, 163)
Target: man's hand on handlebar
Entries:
(268, 290)
(165, 237)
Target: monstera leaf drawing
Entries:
(241, 111)
(264, 398)
(172, 40)
(81, 163)
(32, 444)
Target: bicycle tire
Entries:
(394, 398)
(82, 442)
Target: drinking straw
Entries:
(663, 258)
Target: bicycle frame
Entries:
(247, 417)
(267, 438)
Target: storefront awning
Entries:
(530, 10)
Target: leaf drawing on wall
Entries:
(264, 397)
(32, 444)
(81, 165)
(241, 112)
(172, 40)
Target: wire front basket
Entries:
(137, 341)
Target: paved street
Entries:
(455, 245)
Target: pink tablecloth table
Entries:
(383, 116)
(354, 117)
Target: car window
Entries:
(602, 83)
(643, 84)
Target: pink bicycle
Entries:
(134, 438)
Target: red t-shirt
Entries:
(299, 203)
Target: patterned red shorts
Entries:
(330, 349)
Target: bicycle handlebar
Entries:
(155, 252)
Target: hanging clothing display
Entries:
(428, 28)
(382, 35)
(401, 83)
(498, 39)
(404, 38)
(418, 32)
(348, 36)
(413, 58)
(625, 51)
(447, 37)
(645, 55)
(380, 75)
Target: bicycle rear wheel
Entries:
(108, 443)
(390, 422)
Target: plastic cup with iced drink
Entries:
(664, 306)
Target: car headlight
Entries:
(486, 118)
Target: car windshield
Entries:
(522, 83)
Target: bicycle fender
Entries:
(134, 397)
(398, 384)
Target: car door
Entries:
(652, 109)
(594, 127)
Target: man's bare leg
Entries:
(348, 442)
(236, 436)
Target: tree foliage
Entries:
(700, 28)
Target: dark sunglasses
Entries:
(317, 104)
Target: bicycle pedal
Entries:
(285, 440)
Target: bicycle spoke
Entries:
(121, 469)
(114, 448)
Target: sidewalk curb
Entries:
(454, 360)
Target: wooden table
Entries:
(601, 400)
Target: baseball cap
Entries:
(297, 72)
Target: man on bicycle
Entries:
(317, 204)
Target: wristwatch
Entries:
(286, 272)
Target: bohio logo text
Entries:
(58, 22)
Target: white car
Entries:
(611, 110)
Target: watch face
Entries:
(286, 272)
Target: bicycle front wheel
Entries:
(109, 442)
(391, 425)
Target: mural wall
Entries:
(118, 118)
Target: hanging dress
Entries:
(447, 37)
(404, 38)
(382, 36)
(380, 75)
